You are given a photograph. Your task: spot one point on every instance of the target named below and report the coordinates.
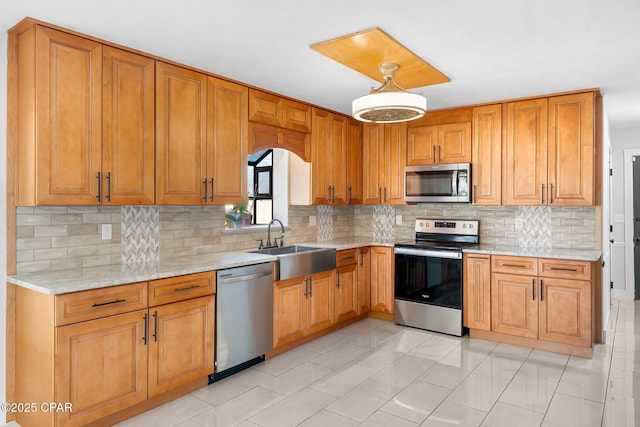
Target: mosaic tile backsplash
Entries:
(140, 234)
(58, 238)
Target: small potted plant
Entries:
(238, 216)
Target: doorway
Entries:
(636, 224)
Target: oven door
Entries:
(429, 276)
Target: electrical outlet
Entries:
(519, 223)
(398, 219)
(312, 220)
(106, 231)
(619, 218)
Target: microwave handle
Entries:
(454, 183)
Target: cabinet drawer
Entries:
(564, 269)
(347, 257)
(95, 303)
(514, 265)
(164, 291)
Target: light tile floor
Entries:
(375, 373)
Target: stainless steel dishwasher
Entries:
(244, 318)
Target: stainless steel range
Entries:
(428, 275)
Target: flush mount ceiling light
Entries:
(389, 103)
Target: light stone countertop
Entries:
(65, 281)
(73, 280)
(555, 253)
(348, 243)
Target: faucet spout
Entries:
(269, 232)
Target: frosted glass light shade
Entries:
(389, 107)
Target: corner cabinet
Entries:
(384, 157)
(201, 128)
(85, 133)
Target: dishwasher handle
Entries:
(229, 277)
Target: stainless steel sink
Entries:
(299, 261)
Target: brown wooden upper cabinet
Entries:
(550, 156)
(384, 156)
(201, 129)
(354, 162)
(85, 129)
(329, 158)
(276, 122)
(447, 143)
(276, 111)
(486, 159)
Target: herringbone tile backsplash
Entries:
(140, 234)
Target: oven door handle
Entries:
(429, 253)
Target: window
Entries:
(260, 191)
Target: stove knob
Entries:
(464, 225)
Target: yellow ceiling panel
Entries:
(365, 50)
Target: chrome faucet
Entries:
(275, 243)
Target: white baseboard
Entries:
(623, 294)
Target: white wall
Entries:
(3, 215)
(621, 139)
(606, 220)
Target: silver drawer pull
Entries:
(108, 303)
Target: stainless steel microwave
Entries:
(446, 183)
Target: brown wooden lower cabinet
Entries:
(180, 339)
(100, 367)
(382, 268)
(302, 306)
(101, 352)
(364, 280)
(477, 291)
(546, 303)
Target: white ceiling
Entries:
(491, 49)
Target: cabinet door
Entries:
(354, 162)
(422, 145)
(68, 101)
(321, 157)
(181, 105)
(486, 152)
(101, 366)
(394, 162)
(565, 311)
(289, 310)
(227, 142)
(181, 349)
(373, 153)
(571, 150)
(338, 159)
(477, 292)
(128, 128)
(382, 279)
(526, 153)
(514, 305)
(296, 116)
(364, 280)
(320, 313)
(454, 143)
(265, 108)
(346, 292)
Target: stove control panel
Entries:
(441, 226)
